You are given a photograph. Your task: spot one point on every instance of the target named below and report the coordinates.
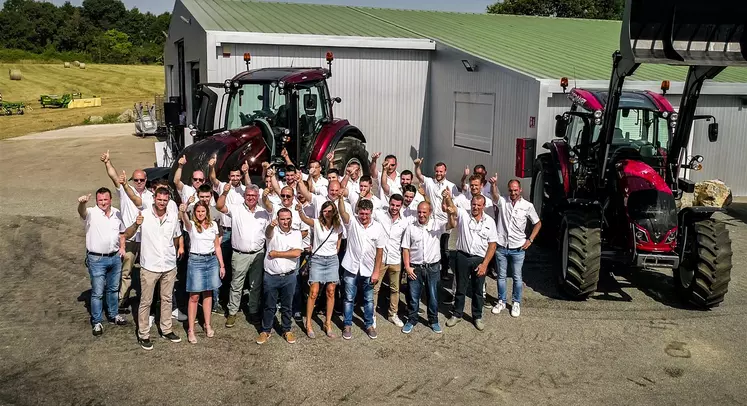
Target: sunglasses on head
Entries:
(138, 180)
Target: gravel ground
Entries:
(631, 343)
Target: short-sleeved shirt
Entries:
(324, 246)
(296, 223)
(235, 196)
(189, 191)
(394, 230)
(157, 250)
(281, 242)
(128, 208)
(377, 203)
(474, 236)
(423, 241)
(102, 230)
(248, 227)
(360, 255)
(434, 189)
(512, 221)
(394, 187)
(464, 201)
(318, 200)
(203, 242)
(320, 186)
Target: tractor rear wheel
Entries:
(543, 194)
(349, 150)
(580, 252)
(705, 271)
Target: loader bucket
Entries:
(685, 32)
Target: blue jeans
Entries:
(105, 273)
(351, 289)
(278, 287)
(516, 257)
(428, 277)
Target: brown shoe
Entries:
(289, 337)
(263, 337)
(230, 320)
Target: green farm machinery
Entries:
(53, 100)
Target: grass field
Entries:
(119, 86)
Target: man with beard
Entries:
(394, 227)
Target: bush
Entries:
(48, 56)
(112, 118)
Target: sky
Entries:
(469, 6)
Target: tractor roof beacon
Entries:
(268, 110)
(610, 181)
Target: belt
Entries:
(111, 254)
(209, 254)
(248, 253)
(225, 228)
(282, 275)
(424, 265)
(468, 255)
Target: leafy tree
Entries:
(597, 9)
(114, 47)
(106, 14)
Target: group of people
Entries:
(280, 245)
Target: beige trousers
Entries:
(392, 271)
(148, 282)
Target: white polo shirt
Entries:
(473, 236)
(189, 191)
(394, 187)
(235, 196)
(434, 189)
(318, 201)
(157, 250)
(464, 201)
(360, 255)
(423, 241)
(319, 186)
(102, 231)
(273, 197)
(203, 242)
(512, 221)
(128, 208)
(353, 186)
(377, 203)
(394, 231)
(247, 227)
(282, 241)
(324, 246)
(296, 223)
(485, 191)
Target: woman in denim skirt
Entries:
(205, 268)
(324, 262)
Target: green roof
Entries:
(539, 46)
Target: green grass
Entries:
(119, 86)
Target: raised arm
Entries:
(383, 182)
(344, 185)
(374, 170)
(220, 204)
(418, 170)
(274, 184)
(110, 169)
(304, 218)
(270, 230)
(286, 157)
(136, 200)
(178, 174)
(344, 215)
(211, 172)
(303, 190)
(330, 160)
(494, 188)
(245, 172)
(184, 218)
(82, 201)
(132, 229)
(463, 183)
(266, 200)
(450, 209)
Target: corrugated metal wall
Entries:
(515, 105)
(383, 91)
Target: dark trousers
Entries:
(278, 287)
(467, 281)
(444, 254)
(427, 277)
(340, 288)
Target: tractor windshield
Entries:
(638, 128)
(255, 101)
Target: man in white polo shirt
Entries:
(364, 192)
(129, 212)
(464, 201)
(476, 242)
(160, 235)
(187, 191)
(105, 247)
(513, 212)
(434, 188)
(284, 247)
(422, 255)
(394, 226)
(389, 182)
(248, 224)
(362, 262)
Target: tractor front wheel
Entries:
(580, 250)
(349, 150)
(705, 271)
(543, 195)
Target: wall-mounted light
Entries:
(470, 66)
(186, 20)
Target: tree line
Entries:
(595, 9)
(102, 30)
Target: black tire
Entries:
(348, 150)
(580, 250)
(544, 195)
(705, 271)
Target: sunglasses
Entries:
(198, 179)
(286, 196)
(138, 180)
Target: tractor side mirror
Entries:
(310, 104)
(336, 100)
(561, 125)
(713, 132)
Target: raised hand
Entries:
(466, 171)
(274, 223)
(182, 160)
(284, 153)
(493, 179)
(267, 191)
(105, 156)
(385, 165)
(421, 189)
(270, 172)
(245, 167)
(299, 208)
(183, 207)
(212, 161)
(418, 161)
(446, 194)
(266, 165)
(123, 178)
(84, 198)
(375, 156)
(139, 219)
(227, 188)
(331, 157)
(191, 199)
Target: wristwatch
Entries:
(530, 240)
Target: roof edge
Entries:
(331, 41)
(676, 88)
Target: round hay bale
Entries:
(15, 74)
(67, 64)
(76, 63)
(82, 65)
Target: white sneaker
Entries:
(151, 320)
(396, 321)
(497, 308)
(515, 309)
(178, 315)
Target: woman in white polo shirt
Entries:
(325, 264)
(205, 267)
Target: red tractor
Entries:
(268, 110)
(610, 182)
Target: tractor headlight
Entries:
(665, 114)
(281, 84)
(672, 124)
(227, 84)
(640, 236)
(235, 84)
(597, 121)
(671, 237)
(674, 117)
(597, 113)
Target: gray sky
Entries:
(470, 6)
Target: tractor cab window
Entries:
(641, 129)
(312, 114)
(257, 101)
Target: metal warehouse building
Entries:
(459, 88)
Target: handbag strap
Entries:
(325, 240)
